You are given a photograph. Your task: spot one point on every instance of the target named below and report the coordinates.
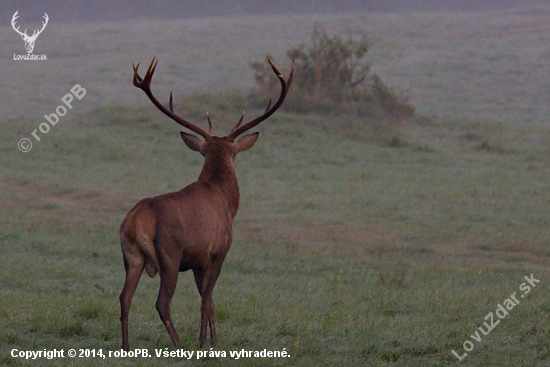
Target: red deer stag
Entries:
(191, 228)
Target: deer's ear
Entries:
(246, 142)
(192, 141)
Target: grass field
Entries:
(347, 252)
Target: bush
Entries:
(332, 76)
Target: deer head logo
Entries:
(29, 40)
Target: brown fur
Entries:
(188, 229)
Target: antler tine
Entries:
(46, 18)
(14, 18)
(238, 123)
(149, 74)
(13, 21)
(36, 32)
(171, 106)
(210, 128)
(285, 85)
(145, 85)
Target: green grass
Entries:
(361, 254)
(353, 247)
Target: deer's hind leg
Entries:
(134, 263)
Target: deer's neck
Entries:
(221, 176)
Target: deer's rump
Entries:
(181, 231)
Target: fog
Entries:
(91, 11)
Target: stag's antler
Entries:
(13, 19)
(24, 34)
(35, 34)
(145, 85)
(285, 85)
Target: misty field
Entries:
(348, 250)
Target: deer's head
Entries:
(29, 40)
(213, 148)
